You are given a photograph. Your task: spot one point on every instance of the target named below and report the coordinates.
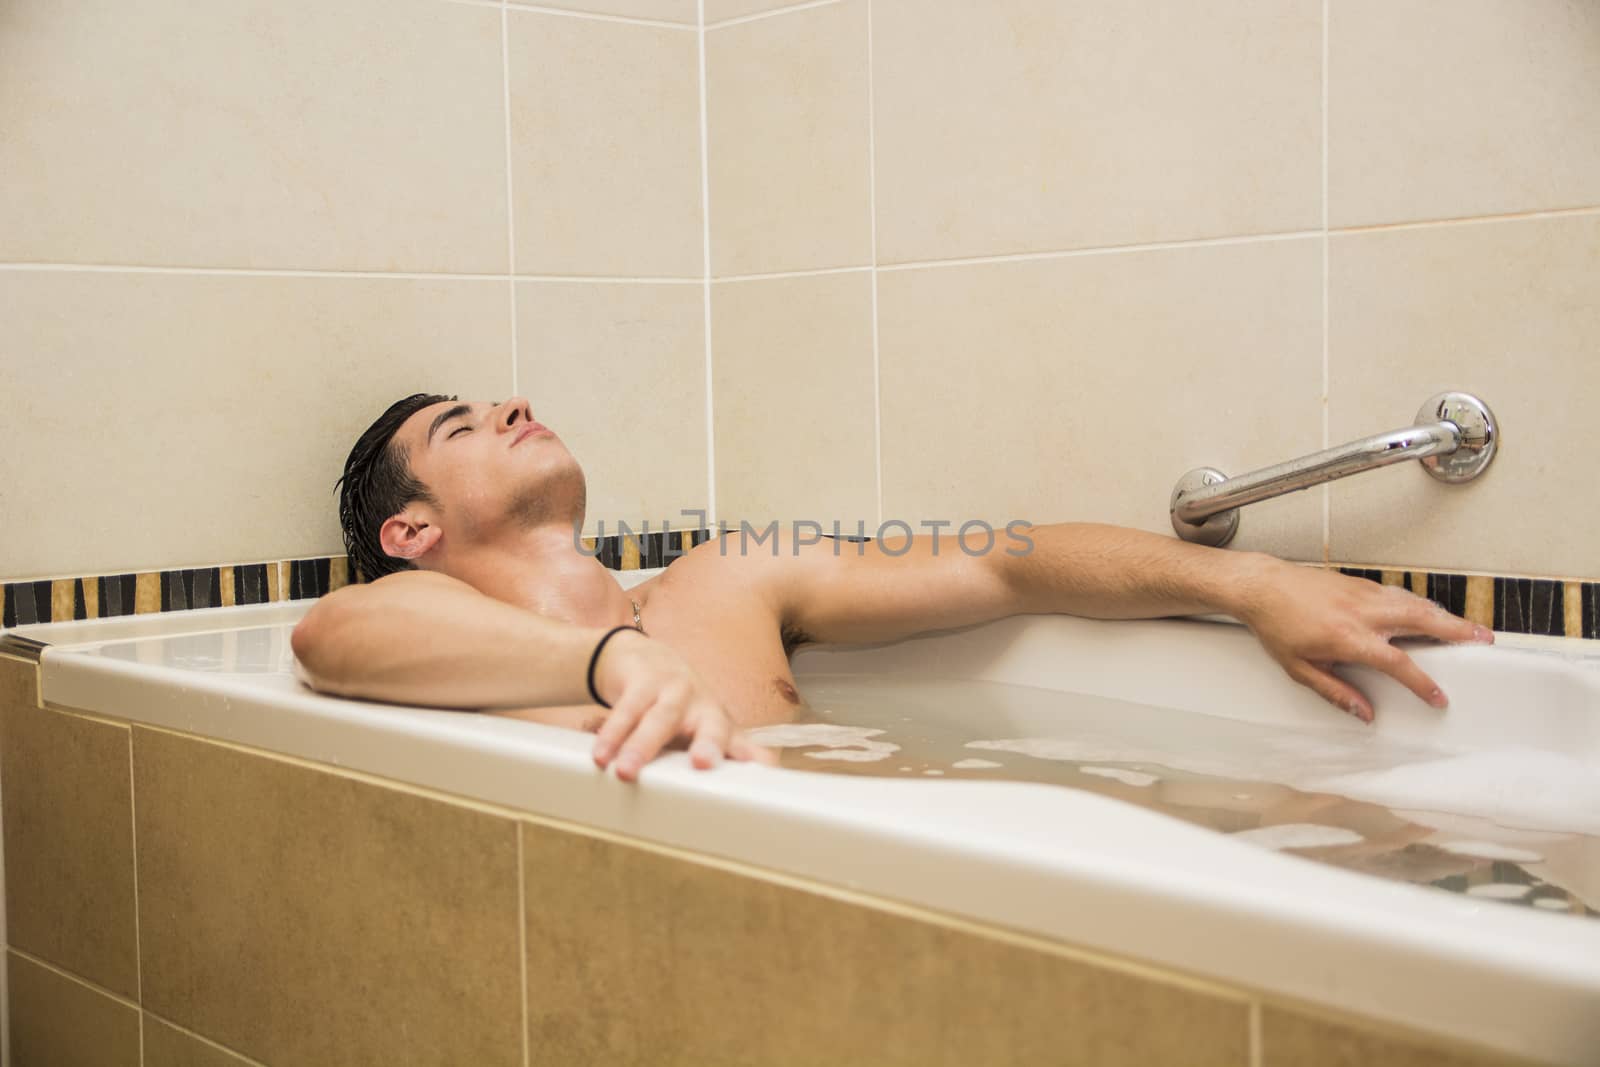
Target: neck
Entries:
(543, 570)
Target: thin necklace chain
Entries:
(638, 624)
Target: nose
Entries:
(513, 411)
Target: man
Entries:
(465, 513)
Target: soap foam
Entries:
(974, 764)
(1499, 890)
(1298, 835)
(1128, 777)
(853, 744)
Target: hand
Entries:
(1309, 619)
(655, 698)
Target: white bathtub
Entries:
(1058, 863)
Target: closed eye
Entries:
(458, 429)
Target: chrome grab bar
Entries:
(1455, 437)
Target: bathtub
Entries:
(1049, 865)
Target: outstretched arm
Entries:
(1306, 619)
(427, 639)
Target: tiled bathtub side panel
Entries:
(56, 1020)
(68, 832)
(299, 916)
(1292, 1039)
(635, 957)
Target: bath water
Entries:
(1517, 826)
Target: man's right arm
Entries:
(422, 638)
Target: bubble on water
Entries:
(1499, 890)
(933, 772)
(975, 764)
(851, 743)
(1127, 777)
(1298, 835)
(1488, 850)
(1551, 904)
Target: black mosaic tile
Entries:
(116, 594)
(250, 583)
(27, 602)
(8, 617)
(308, 578)
(1361, 572)
(1590, 601)
(80, 609)
(1529, 606)
(1449, 591)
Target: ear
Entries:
(408, 536)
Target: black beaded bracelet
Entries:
(595, 659)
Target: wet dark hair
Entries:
(377, 483)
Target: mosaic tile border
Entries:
(111, 595)
(1508, 605)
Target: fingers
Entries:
(1413, 614)
(742, 748)
(658, 726)
(1336, 691)
(710, 740)
(1399, 666)
(625, 714)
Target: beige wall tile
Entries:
(1031, 125)
(302, 917)
(1507, 311)
(689, 964)
(355, 136)
(793, 396)
(68, 839)
(55, 1020)
(619, 372)
(787, 128)
(684, 11)
(1450, 108)
(1081, 388)
(204, 418)
(605, 147)
(1289, 1039)
(167, 1046)
(718, 10)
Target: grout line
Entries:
(792, 274)
(202, 1038)
(535, 9)
(1105, 250)
(1255, 1032)
(71, 976)
(138, 947)
(737, 20)
(1472, 220)
(872, 219)
(522, 939)
(1327, 489)
(604, 280)
(705, 264)
(511, 208)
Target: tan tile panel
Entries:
(1505, 310)
(56, 1020)
(302, 917)
(167, 1046)
(213, 395)
(688, 964)
(1452, 108)
(787, 130)
(1289, 1039)
(68, 838)
(658, 10)
(1037, 125)
(793, 389)
(605, 148)
(366, 135)
(641, 435)
(1081, 388)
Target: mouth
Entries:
(532, 429)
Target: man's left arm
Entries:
(1307, 619)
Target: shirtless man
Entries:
(465, 513)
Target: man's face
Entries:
(492, 466)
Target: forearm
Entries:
(1109, 572)
(428, 640)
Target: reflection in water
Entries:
(1229, 776)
